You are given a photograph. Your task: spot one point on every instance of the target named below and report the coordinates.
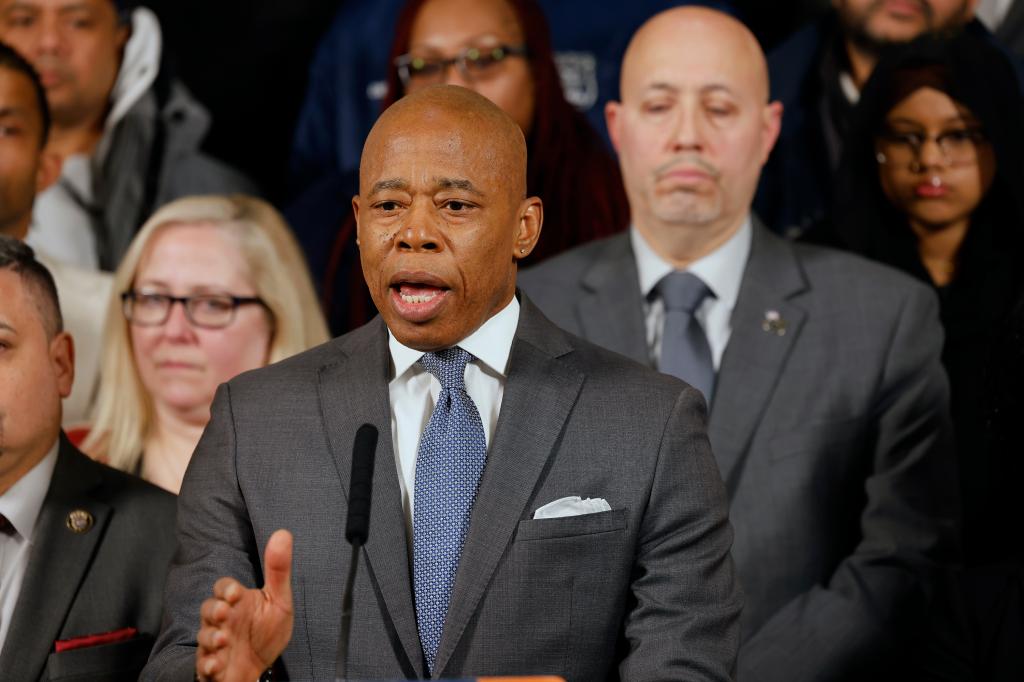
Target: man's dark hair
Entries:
(10, 59)
(20, 259)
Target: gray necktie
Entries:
(685, 352)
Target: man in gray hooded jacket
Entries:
(128, 134)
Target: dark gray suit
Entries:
(105, 579)
(646, 589)
(833, 439)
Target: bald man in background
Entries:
(596, 543)
(828, 403)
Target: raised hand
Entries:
(243, 631)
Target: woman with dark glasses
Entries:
(210, 287)
(931, 183)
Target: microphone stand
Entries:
(357, 528)
(346, 612)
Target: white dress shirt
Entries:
(413, 391)
(21, 505)
(722, 270)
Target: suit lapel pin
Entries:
(773, 323)
(79, 521)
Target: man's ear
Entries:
(123, 34)
(62, 355)
(355, 213)
(772, 125)
(612, 116)
(531, 219)
(47, 171)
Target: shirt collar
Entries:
(491, 344)
(721, 270)
(23, 500)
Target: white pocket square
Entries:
(572, 506)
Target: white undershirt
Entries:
(722, 270)
(21, 505)
(413, 391)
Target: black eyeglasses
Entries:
(473, 63)
(959, 146)
(209, 311)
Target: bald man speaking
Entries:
(828, 401)
(540, 505)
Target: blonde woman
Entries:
(211, 286)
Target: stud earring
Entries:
(880, 157)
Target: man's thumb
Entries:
(277, 560)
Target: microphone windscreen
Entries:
(361, 484)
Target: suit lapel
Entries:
(539, 394)
(58, 562)
(354, 391)
(611, 313)
(755, 357)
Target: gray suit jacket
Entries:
(645, 591)
(833, 439)
(105, 579)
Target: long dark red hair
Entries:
(568, 166)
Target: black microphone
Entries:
(357, 528)
(360, 487)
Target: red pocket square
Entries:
(94, 640)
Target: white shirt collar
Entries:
(491, 344)
(23, 501)
(722, 269)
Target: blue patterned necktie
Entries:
(685, 352)
(449, 463)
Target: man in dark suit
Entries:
(828, 405)
(483, 555)
(84, 549)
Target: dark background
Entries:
(247, 61)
